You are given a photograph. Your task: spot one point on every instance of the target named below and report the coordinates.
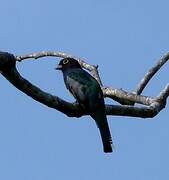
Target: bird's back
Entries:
(84, 88)
(87, 92)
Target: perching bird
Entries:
(87, 92)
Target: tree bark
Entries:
(127, 100)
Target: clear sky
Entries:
(126, 38)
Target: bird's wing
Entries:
(79, 82)
(88, 92)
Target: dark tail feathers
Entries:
(102, 124)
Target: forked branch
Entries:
(152, 105)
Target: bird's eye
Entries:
(65, 61)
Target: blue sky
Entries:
(125, 38)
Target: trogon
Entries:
(88, 93)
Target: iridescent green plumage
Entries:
(88, 93)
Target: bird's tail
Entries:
(102, 124)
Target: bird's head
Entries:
(67, 63)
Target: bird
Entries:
(88, 93)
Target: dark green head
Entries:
(68, 63)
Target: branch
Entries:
(150, 74)
(91, 68)
(118, 95)
(126, 98)
(9, 71)
(142, 112)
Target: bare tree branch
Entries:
(152, 108)
(118, 95)
(91, 68)
(151, 73)
(164, 93)
(142, 112)
(126, 98)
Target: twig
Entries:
(91, 68)
(164, 93)
(44, 54)
(126, 98)
(150, 74)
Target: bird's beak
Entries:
(59, 67)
